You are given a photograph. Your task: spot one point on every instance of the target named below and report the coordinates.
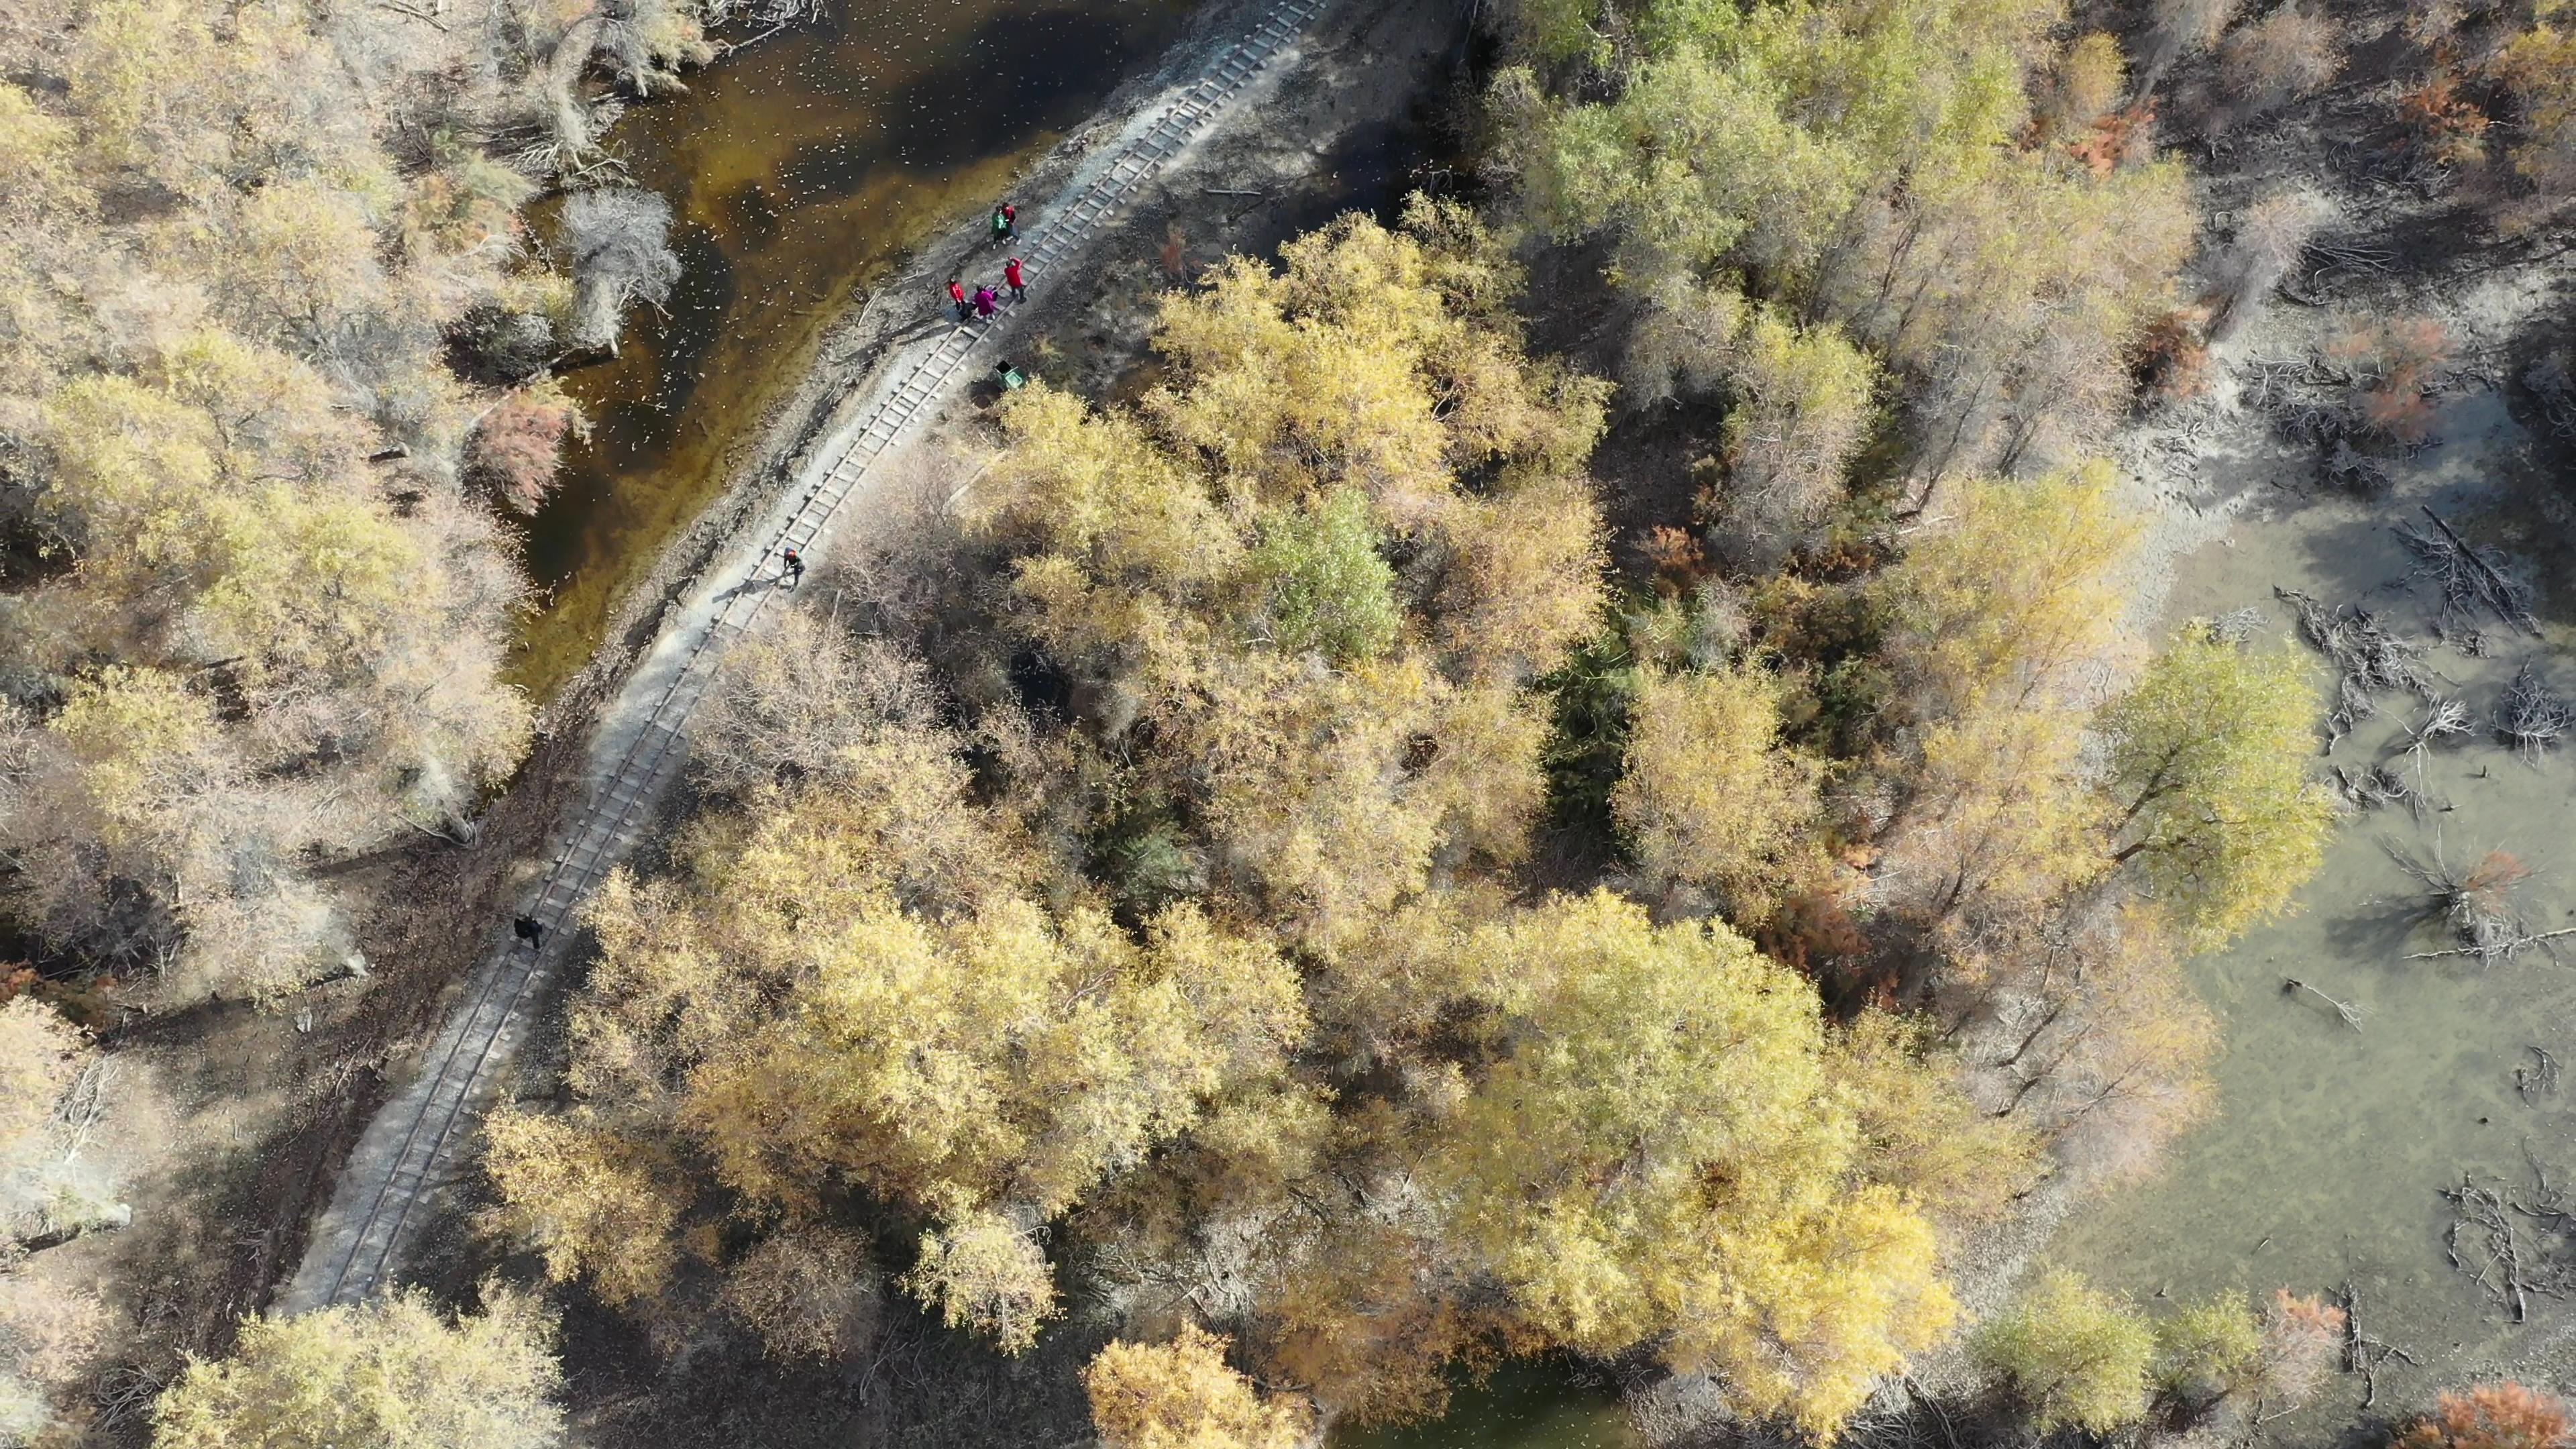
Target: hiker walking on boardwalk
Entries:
(985, 301)
(792, 564)
(957, 294)
(1011, 274)
(1006, 221)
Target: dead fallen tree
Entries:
(2363, 1354)
(2529, 717)
(2349, 1013)
(2513, 1247)
(2369, 659)
(2469, 581)
(2377, 787)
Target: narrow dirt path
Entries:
(421, 1137)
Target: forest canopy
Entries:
(275, 351)
(1259, 882)
(1204, 982)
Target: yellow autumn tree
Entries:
(2210, 778)
(781, 1014)
(1870, 165)
(2075, 1355)
(2014, 593)
(1217, 562)
(1183, 1395)
(392, 1374)
(1656, 1154)
(1709, 795)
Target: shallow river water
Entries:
(2326, 1162)
(797, 169)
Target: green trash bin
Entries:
(1011, 378)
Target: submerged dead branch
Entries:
(2363, 1354)
(2512, 1247)
(2540, 1077)
(2347, 1012)
(2469, 581)
(2377, 787)
(2368, 657)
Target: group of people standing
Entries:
(987, 298)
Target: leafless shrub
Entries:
(2271, 238)
(2177, 28)
(807, 1293)
(2444, 720)
(2337, 261)
(2529, 717)
(2476, 906)
(619, 245)
(789, 700)
(2238, 626)
(2290, 53)
(2554, 389)
(2355, 471)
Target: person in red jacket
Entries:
(957, 294)
(1011, 274)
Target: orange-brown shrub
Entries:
(2392, 361)
(518, 445)
(2170, 358)
(2491, 1416)
(2449, 126)
(1676, 557)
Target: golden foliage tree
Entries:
(1709, 795)
(2015, 594)
(1655, 1154)
(1161, 955)
(1183, 1395)
(1217, 561)
(971, 1057)
(2209, 773)
(2075, 1354)
(230, 423)
(393, 1374)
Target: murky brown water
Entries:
(797, 169)
(2327, 1159)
